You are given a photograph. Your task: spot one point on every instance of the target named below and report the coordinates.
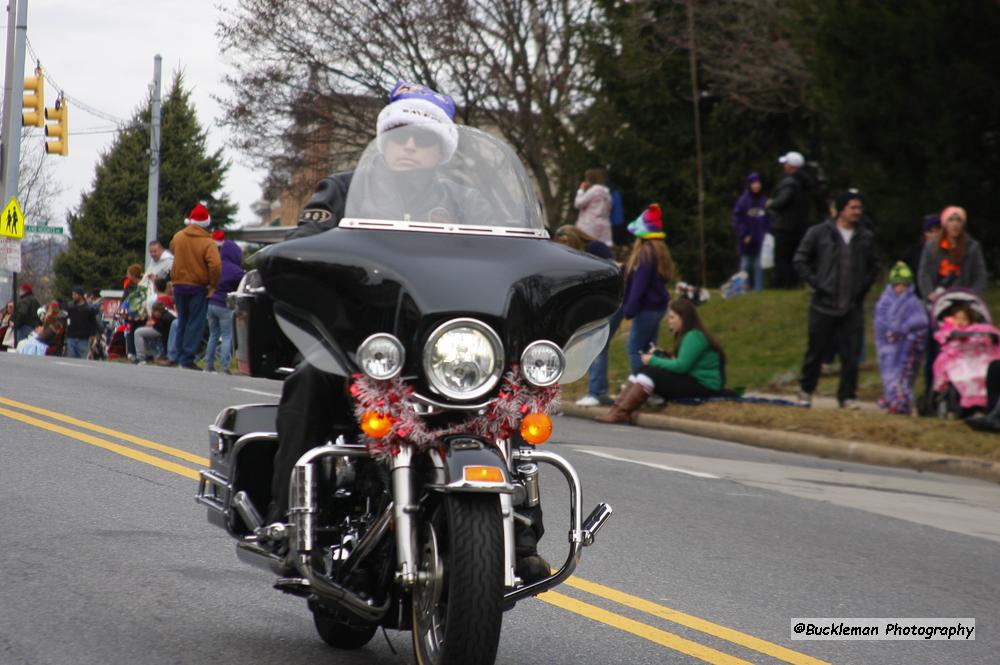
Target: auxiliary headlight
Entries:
(463, 359)
(542, 363)
(381, 356)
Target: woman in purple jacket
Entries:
(900, 338)
(751, 222)
(220, 317)
(648, 270)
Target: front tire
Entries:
(458, 599)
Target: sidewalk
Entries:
(808, 444)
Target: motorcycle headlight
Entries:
(463, 359)
(381, 356)
(542, 363)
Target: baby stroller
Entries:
(964, 329)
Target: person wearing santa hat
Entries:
(195, 274)
(25, 317)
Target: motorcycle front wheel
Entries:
(457, 601)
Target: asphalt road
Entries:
(713, 548)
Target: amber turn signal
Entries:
(483, 474)
(375, 424)
(536, 428)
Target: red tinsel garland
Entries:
(499, 420)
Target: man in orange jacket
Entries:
(195, 274)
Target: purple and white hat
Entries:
(416, 104)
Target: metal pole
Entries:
(8, 88)
(152, 205)
(14, 99)
(695, 100)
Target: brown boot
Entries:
(630, 400)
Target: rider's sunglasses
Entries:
(422, 138)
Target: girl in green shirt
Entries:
(694, 369)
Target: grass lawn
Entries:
(764, 335)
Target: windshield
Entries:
(407, 175)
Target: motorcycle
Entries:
(442, 301)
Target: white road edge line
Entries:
(662, 467)
(257, 392)
(65, 364)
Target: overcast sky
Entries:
(101, 52)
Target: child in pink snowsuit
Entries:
(967, 349)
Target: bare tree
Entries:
(37, 189)
(745, 50)
(308, 72)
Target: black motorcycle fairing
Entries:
(360, 281)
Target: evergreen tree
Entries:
(911, 109)
(641, 124)
(109, 226)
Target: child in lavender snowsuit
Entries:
(900, 337)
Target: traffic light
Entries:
(34, 100)
(59, 130)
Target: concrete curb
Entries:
(810, 444)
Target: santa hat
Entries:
(218, 235)
(199, 216)
(26, 287)
(415, 104)
(648, 225)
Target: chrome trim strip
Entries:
(447, 406)
(436, 227)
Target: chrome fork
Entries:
(404, 509)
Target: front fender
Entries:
(468, 451)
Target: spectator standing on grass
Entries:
(751, 222)
(930, 231)
(790, 205)
(593, 200)
(953, 260)
(220, 317)
(647, 272)
(695, 368)
(900, 337)
(195, 274)
(82, 328)
(597, 387)
(837, 259)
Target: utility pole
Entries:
(152, 205)
(695, 101)
(13, 99)
(17, 24)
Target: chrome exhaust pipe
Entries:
(371, 540)
(302, 515)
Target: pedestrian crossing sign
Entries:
(12, 220)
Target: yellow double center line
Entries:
(593, 612)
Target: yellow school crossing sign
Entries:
(12, 220)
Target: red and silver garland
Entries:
(498, 420)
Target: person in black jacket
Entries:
(315, 406)
(790, 205)
(25, 317)
(837, 259)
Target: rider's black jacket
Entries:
(325, 207)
